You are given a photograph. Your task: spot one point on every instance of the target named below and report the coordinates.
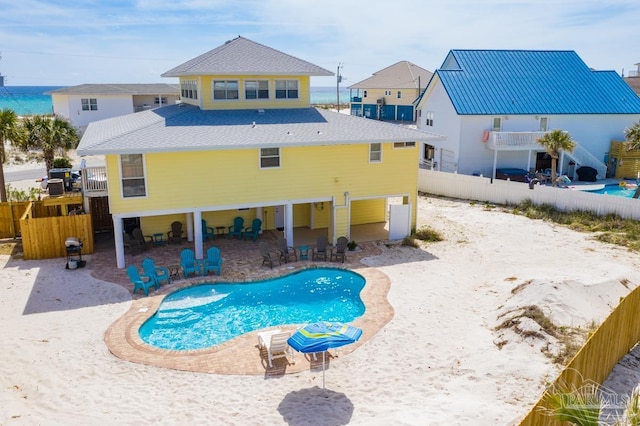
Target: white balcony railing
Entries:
(512, 141)
(94, 179)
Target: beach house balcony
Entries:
(512, 141)
(94, 180)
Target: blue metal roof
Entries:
(488, 82)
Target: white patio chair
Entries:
(275, 343)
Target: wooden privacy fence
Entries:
(10, 214)
(595, 361)
(44, 238)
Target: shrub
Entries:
(61, 163)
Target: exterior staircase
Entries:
(584, 158)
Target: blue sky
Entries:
(62, 42)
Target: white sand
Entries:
(436, 362)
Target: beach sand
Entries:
(439, 361)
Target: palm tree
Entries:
(554, 142)
(9, 131)
(633, 143)
(50, 134)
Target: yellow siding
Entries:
(205, 93)
(301, 214)
(162, 224)
(321, 215)
(408, 96)
(341, 222)
(368, 211)
(228, 178)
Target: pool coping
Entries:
(241, 355)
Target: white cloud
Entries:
(96, 41)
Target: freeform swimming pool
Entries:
(615, 190)
(209, 314)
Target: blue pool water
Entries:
(209, 314)
(615, 190)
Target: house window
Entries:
(132, 172)
(269, 157)
(429, 119)
(375, 152)
(161, 100)
(90, 104)
(404, 144)
(387, 92)
(399, 94)
(225, 89)
(256, 89)
(189, 89)
(287, 89)
(497, 124)
(544, 124)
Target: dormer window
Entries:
(286, 89)
(225, 89)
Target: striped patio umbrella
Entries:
(322, 336)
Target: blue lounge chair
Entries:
(213, 261)
(141, 282)
(254, 230)
(156, 273)
(207, 231)
(237, 229)
(189, 263)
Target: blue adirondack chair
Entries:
(207, 231)
(156, 273)
(189, 263)
(141, 282)
(213, 261)
(236, 230)
(254, 230)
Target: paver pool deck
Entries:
(242, 263)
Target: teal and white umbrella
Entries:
(322, 336)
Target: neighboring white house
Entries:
(493, 105)
(87, 103)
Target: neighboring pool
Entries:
(615, 190)
(209, 314)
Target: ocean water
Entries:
(28, 100)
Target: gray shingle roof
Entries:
(187, 128)
(401, 75)
(119, 89)
(243, 56)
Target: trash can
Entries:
(56, 187)
(64, 174)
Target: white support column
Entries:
(197, 220)
(259, 211)
(288, 223)
(189, 227)
(495, 164)
(118, 241)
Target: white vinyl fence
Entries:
(506, 192)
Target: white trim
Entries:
(144, 176)
(371, 151)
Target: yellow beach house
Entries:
(244, 141)
(389, 94)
